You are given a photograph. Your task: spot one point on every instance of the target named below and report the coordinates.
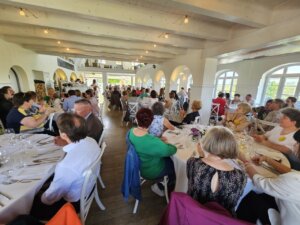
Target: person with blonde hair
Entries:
(196, 106)
(210, 177)
(237, 121)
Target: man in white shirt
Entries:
(81, 152)
(68, 103)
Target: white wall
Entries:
(26, 62)
(251, 72)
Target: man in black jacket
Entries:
(6, 94)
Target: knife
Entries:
(6, 196)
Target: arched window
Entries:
(226, 82)
(190, 81)
(178, 85)
(162, 82)
(149, 83)
(282, 83)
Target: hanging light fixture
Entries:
(186, 19)
(21, 12)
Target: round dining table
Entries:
(186, 145)
(28, 160)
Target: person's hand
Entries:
(258, 159)
(250, 170)
(259, 138)
(59, 141)
(42, 109)
(242, 157)
(164, 139)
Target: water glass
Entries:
(9, 131)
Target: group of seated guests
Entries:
(25, 112)
(211, 177)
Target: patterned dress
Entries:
(157, 126)
(230, 187)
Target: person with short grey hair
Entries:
(159, 122)
(274, 115)
(210, 177)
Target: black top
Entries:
(5, 106)
(189, 118)
(230, 188)
(13, 119)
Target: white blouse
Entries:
(285, 189)
(286, 140)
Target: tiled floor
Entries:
(117, 210)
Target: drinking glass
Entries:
(9, 131)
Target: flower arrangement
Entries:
(196, 133)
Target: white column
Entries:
(204, 90)
(104, 80)
(131, 80)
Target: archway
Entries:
(81, 78)
(58, 77)
(159, 80)
(18, 79)
(179, 78)
(73, 77)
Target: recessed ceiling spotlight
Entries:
(166, 35)
(137, 60)
(46, 31)
(146, 51)
(154, 45)
(141, 56)
(68, 49)
(186, 19)
(58, 42)
(21, 12)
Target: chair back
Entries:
(101, 139)
(51, 116)
(215, 107)
(197, 120)
(260, 124)
(133, 109)
(89, 188)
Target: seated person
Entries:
(83, 108)
(19, 119)
(280, 138)
(159, 121)
(147, 102)
(210, 177)
(81, 152)
(190, 118)
(280, 193)
(89, 94)
(237, 121)
(6, 95)
(153, 152)
(222, 103)
(68, 104)
(290, 102)
(274, 115)
(263, 111)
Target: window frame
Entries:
(282, 80)
(223, 75)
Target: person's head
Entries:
(161, 92)
(182, 88)
(277, 104)
(72, 128)
(268, 104)
(158, 108)
(78, 93)
(71, 92)
(297, 145)
(237, 97)
(172, 95)
(221, 95)
(33, 95)
(196, 105)
(51, 92)
(290, 118)
(133, 93)
(82, 107)
(55, 96)
(221, 142)
(153, 94)
(144, 117)
(7, 92)
(124, 93)
(243, 108)
(290, 101)
(94, 81)
(143, 90)
(89, 93)
(248, 97)
(22, 99)
(147, 90)
(227, 96)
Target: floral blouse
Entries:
(230, 187)
(157, 126)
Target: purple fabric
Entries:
(183, 210)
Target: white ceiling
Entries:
(125, 29)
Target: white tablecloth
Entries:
(30, 177)
(186, 147)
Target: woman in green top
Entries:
(153, 152)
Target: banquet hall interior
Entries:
(198, 51)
